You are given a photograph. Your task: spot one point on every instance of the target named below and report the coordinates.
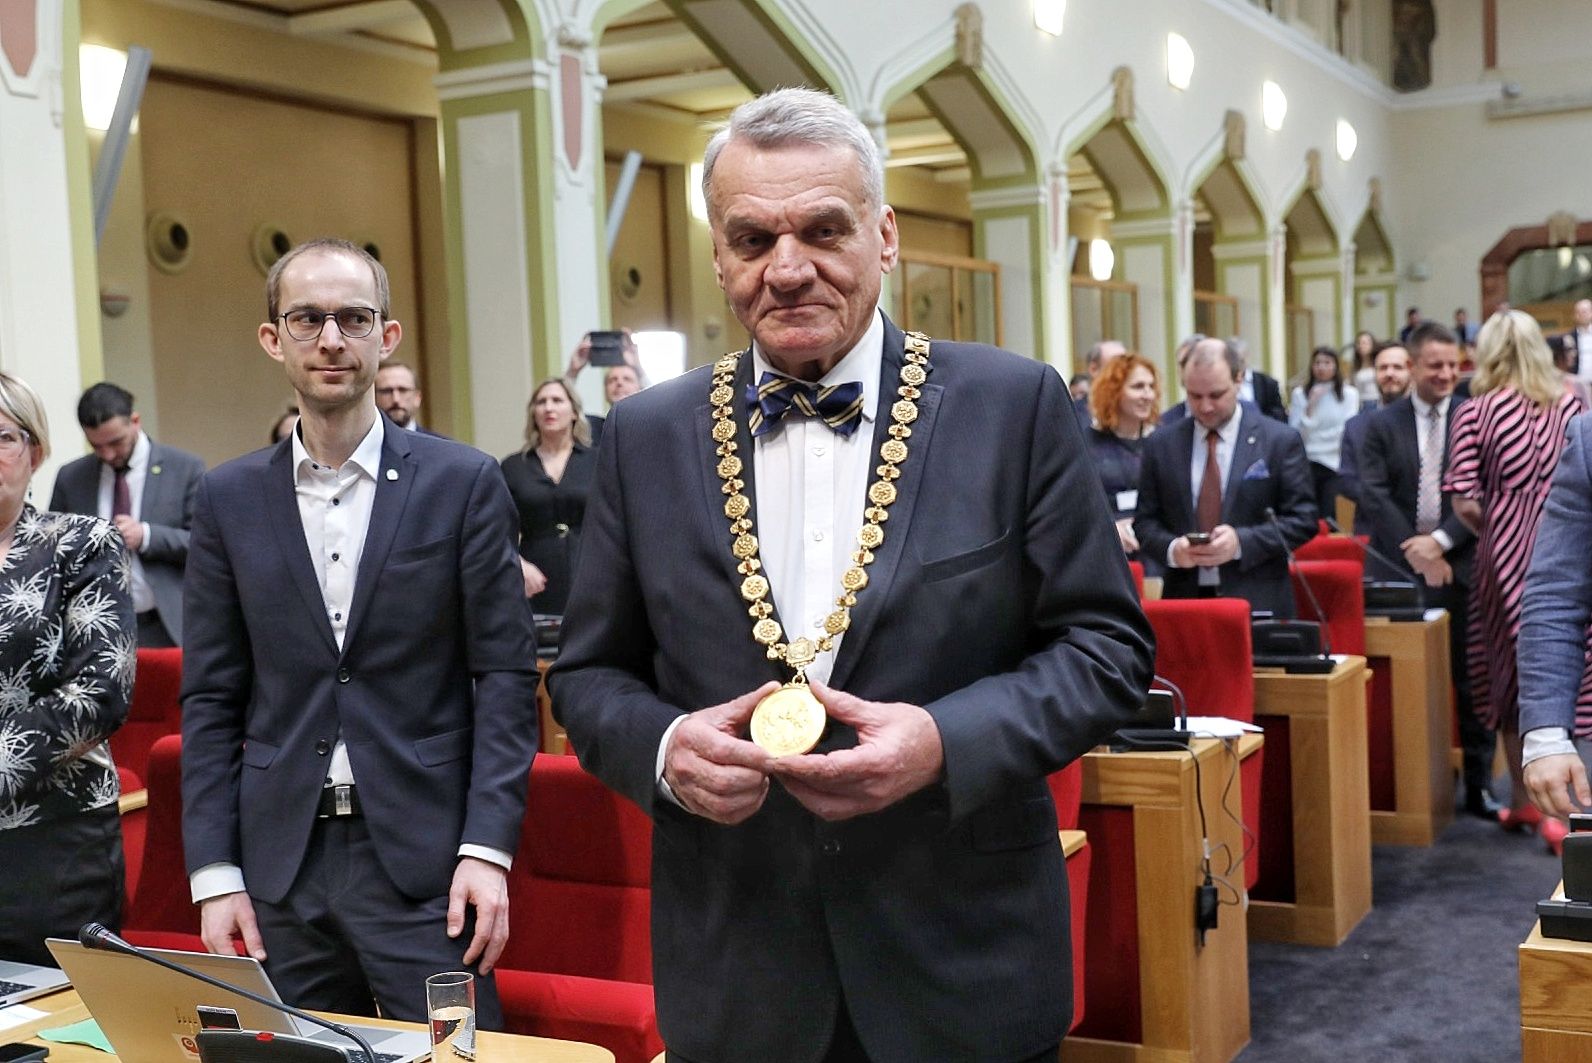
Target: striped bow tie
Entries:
(838, 405)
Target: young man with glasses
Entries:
(146, 489)
(359, 678)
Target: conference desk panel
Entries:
(64, 1008)
(1191, 1001)
(1412, 724)
(1555, 1008)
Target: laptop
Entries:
(24, 981)
(151, 1014)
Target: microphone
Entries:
(1295, 646)
(97, 936)
(1389, 596)
(1293, 566)
(1165, 720)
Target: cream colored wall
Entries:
(226, 163)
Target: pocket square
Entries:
(1258, 471)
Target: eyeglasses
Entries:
(13, 441)
(354, 322)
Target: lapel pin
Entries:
(1250, 441)
(392, 474)
(154, 470)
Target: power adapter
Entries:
(1206, 907)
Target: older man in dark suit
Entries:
(1402, 461)
(146, 489)
(897, 894)
(359, 677)
(1233, 478)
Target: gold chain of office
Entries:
(799, 652)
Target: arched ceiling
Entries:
(1231, 206)
(1310, 233)
(1115, 156)
(1373, 252)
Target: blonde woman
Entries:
(1504, 445)
(549, 480)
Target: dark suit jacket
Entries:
(1557, 602)
(1268, 396)
(1390, 483)
(1268, 469)
(433, 690)
(167, 507)
(999, 601)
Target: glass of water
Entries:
(450, 1003)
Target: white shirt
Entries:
(1583, 345)
(334, 507)
(1246, 386)
(1226, 443)
(811, 487)
(1423, 410)
(137, 470)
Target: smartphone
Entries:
(1198, 538)
(17, 1052)
(607, 347)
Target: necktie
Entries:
(1429, 503)
(1208, 511)
(838, 405)
(121, 496)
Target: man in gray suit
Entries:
(144, 488)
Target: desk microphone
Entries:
(1293, 566)
(1397, 593)
(97, 936)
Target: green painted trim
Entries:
(1002, 114)
(527, 42)
(1157, 177)
(80, 202)
(918, 76)
(1249, 193)
(1038, 271)
(793, 44)
(1167, 243)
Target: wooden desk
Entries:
(1194, 1001)
(1331, 830)
(553, 737)
(1555, 1007)
(1415, 653)
(64, 1008)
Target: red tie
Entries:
(121, 497)
(1209, 510)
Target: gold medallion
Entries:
(730, 466)
(870, 536)
(753, 588)
(737, 506)
(904, 412)
(789, 721)
(882, 493)
(724, 430)
(767, 631)
(893, 450)
(724, 393)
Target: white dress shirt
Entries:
(1226, 443)
(105, 505)
(1583, 346)
(334, 507)
(811, 487)
(1423, 410)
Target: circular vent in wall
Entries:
(168, 242)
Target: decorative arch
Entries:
(472, 33)
(1375, 271)
(1317, 274)
(756, 40)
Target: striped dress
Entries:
(1503, 449)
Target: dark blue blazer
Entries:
(1557, 602)
(1390, 484)
(1268, 469)
(1000, 602)
(433, 690)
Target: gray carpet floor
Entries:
(1430, 975)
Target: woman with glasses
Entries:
(549, 480)
(67, 654)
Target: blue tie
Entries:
(838, 405)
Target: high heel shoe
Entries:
(1553, 830)
(1517, 819)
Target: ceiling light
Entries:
(1273, 105)
(100, 71)
(1102, 260)
(1179, 61)
(1566, 256)
(1048, 15)
(1348, 140)
(661, 354)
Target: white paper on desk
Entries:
(1219, 727)
(17, 1014)
(1433, 614)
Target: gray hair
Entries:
(798, 116)
(1211, 350)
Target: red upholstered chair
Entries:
(1331, 548)
(1338, 587)
(1137, 568)
(579, 960)
(1203, 646)
(154, 713)
(135, 827)
(161, 913)
(1066, 788)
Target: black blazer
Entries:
(1390, 483)
(433, 690)
(1268, 396)
(1000, 602)
(170, 483)
(1268, 469)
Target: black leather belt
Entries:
(342, 800)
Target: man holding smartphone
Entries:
(1224, 494)
(616, 351)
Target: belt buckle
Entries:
(342, 800)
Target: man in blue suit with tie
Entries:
(911, 535)
(358, 677)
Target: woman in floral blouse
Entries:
(67, 654)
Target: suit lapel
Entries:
(1246, 448)
(281, 505)
(1410, 444)
(1186, 495)
(154, 481)
(887, 559)
(393, 482)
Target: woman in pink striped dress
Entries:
(1503, 447)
